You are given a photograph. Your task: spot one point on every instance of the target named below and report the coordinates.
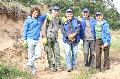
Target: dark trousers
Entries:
(89, 49)
(106, 64)
(53, 53)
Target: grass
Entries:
(85, 74)
(7, 72)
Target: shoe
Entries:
(69, 69)
(47, 68)
(59, 69)
(28, 67)
(53, 69)
(91, 67)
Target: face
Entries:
(35, 14)
(85, 14)
(55, 13)
(69, 15)
(99, 17)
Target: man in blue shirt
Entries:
(71, 38)
(31, 35)
(88, 36)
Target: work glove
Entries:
(25, 44)
(44, 40)
(72, 37)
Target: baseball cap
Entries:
(98, 13)
(69, 11)
(85, 10)
(55, 8)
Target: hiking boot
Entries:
(69, 69)
(28, 67)
(53, 69)
(47, 68)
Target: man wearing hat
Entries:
(51, 46)
(103, 39)
(71, 38)
(88, 36)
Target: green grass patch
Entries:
(7, 72)
(115, 44)
(85, 74)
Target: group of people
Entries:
(94, 33)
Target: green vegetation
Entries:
(7, 72)
(107, 8)
(85, 74)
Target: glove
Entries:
(25, 44)
(44, 40)
(71, 37)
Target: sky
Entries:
(117, 5)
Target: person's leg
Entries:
(92, 51)
(86, 52)
(106, 58)
(98, 53)
(57, 55)
(68, 56)
(31, 51)
(74, 56)
(37, 49)
(49, 54)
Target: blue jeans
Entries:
(34, 51)
(71, 55)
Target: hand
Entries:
(44, 40)
(25, 44)
(105, 44)
(71, 37)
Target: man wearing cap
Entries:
(103, 39)
(71, 38)
(51, 47)
(88, 36)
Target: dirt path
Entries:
(113, 73)
(18, 57)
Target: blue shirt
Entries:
(32, 27)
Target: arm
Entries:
(44, 28)
(64, 32)
(107, 35)
(25, 28)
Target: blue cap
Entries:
(55, 8)
(85, 10)
(69, 11)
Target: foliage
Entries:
(107, 8)
(11, 73)
(110, 14)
